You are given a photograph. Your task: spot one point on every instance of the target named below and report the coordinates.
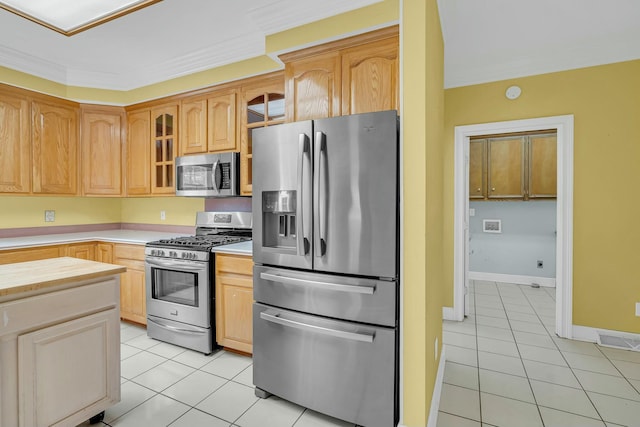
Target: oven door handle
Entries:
(353, 336)
(176, 264)
(173, 328)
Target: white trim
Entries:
(564, 209)
(432, 421)
(512, 278)
(449, 314)
(586, 333)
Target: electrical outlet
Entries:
(539, 264)
(163, 215)
(472, 212)
(638, 309)
(49, 216)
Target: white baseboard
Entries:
(512, 278)
(586, 333)
(448, 313)
(437, 390)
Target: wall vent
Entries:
(492, 226)
(621, 342)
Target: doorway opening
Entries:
(563, 126)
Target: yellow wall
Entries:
(178, 210)
(422, 112)
(18, 212)
(605, 103)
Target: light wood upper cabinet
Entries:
(55, 148)
(520, 167)
(262, 105)
(209, 124)
(477, 173)
(15, 144)
(139, 152)
(102, 150)
(313, 87)
(222, 122)
(234, 301)
(505, 178)
(543, 166)
(164, 149)
(370, 77)
(358, 74)
(193, 126)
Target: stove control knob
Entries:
(184, 254)
(173, 254)
(161, 252)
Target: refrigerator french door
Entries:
(325, 248)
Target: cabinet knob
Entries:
(478, 190)
(493, 189)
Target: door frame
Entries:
(564, 210)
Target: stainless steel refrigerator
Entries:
(325, 247)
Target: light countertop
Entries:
(242, 248)
(36, 275)
(116, 236)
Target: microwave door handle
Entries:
(302, 239)
(321, 241)
(214, 181)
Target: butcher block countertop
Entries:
(37, 275)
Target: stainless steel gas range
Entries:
(180, 280)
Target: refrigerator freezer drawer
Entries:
(341, 369)
(349, 298)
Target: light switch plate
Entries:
(49, 216)
(638, 309)
(472, 212)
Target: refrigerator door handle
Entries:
(276, 318)
(368, 289)
(321, 242)
(303, 151)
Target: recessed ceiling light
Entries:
(70, 17)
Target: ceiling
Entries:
(485, 40)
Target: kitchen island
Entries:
(59, 341)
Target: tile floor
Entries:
(165, 385)
(506, 367)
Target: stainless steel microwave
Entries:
(208, 175)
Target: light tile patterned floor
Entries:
(166, 385)
(507, 368)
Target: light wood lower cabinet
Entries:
(29, 254)
(234, 299)
(81, 250)
(133, 304)
(104, 252)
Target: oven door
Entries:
(179, 290)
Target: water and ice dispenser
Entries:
(279, 225)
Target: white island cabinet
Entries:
(59, 341)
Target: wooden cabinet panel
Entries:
(313, 87)
(543, 166)
(262, 105)
(506, 168)
(477, 161)
(193, 126)
(15, 144)
(222, 122)
(139, 153)
(164, 148)
(68, 367)
(55, 148)
(82, 251)
(133, 304)
(102, 153)
(370, 77)
(234, 300)
(104, 252)
(30, 254)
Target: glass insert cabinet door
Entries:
(164, 150)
